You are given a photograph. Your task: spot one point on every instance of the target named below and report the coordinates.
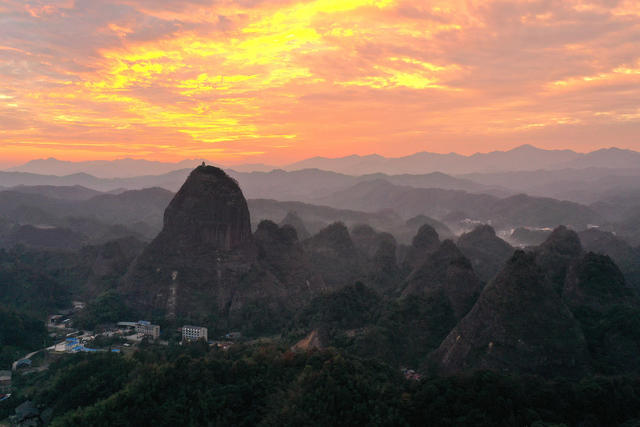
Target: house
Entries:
(147, 330)
(70, 344)
(194, 333)
(143, 328)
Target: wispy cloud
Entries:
(279, 80)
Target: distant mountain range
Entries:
(522, 158)
(119, 168)
(586, 186)
(303, 185)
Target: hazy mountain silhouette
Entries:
(518, 210)
(120, 168)
(525, 157)
(424, 243)
(625, 256)
(75, 192)
(304, 185)
(486, 251)
(585, 185)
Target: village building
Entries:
(147, 330)
(194, 333)
(143, 328)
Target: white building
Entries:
(194, 333)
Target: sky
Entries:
(274, 81)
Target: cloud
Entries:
(279, 80)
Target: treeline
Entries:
(19, 333)
(358, 320)
(31, 286)
(267, 385)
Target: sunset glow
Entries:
(278, 81)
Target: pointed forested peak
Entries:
(481, 232)
(486, 251)
(448, 251)
(335, 234)
(269, 230)
(425, 242)
(296, 222)
(418, 221)
(367, 240)
(426, 238)
(563, 241)
(484, 238)
(621, 252)
(334, 256)
(363, 233)
(519, 324)
(449, 272)
(596, 282)
(555, 255)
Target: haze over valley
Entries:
(429, 273)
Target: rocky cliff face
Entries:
(519, 324)
(446, 272)
(205, 261)
(209, 212)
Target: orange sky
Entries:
(275, 81)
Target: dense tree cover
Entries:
(27, 284)
(108, 307)
(19, 334)
(267, 385)
(400, 332)
(613, 338)
(267, 316)
(406, 331)
(353, 306)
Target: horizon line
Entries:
(526, 145)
